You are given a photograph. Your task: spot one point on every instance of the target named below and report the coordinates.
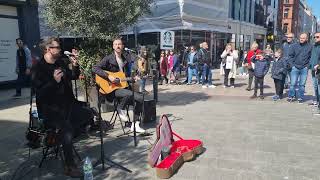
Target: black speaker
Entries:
(149, 109)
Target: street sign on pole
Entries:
(167, 40)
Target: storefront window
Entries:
(247, 43)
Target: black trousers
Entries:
(21, 82)
(251, 75)
(78, 116)
(126, 98)
(226, 77)
(279, 85)
(258, 83)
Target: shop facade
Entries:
(18, 18)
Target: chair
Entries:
(41, 136)
(115, 114)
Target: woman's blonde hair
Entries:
(254, 44)
(229, 44)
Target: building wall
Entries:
(18, 18)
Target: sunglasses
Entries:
(57, 47)
(290, 37)
(317, 37)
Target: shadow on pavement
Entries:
(14, 157)
(10, 103)
(179, 98)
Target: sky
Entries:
(314, 4)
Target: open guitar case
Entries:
(179, 150)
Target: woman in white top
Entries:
(229, 64)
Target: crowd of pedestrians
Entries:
(288, 67)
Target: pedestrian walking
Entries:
(23, 66)
(163, 67)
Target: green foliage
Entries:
(90, 53)
(99, 19)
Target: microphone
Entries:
(127, 49)
(67, 53)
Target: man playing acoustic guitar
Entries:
(119, 62)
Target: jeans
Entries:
(21, 81)
(142, 84)
(302, 75)
(206, 75)
(315, 83)
(226, 77)
(258, 83)
(192, 71)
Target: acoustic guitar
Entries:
(107, 87)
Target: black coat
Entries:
(53, 99)
(279, 69)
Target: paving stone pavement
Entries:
(243, 139)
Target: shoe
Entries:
(290, 99)
(73, 172)
(261, 97)
(138, 128)
(300, 101)
(17, 96)
(231, 86)
(212, 86)
(188, 83)
(253, 96)
(224, 86)
(123, 115)
(313, 103)
(204, 86)
(248, 89)
(275, 98)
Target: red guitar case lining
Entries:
(180, 150)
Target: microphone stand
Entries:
(134, 114)
(103, 159)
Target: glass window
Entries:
(285, 28)
(286, 13)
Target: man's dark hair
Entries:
(117, 39)
(46, 42)
(18, 40)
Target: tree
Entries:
(95, 20)
(98, 19)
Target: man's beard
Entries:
(56, 56)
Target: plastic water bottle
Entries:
(87, 169)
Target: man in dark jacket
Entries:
(286, 49)
(205, 61)
(299, 61)
(262, 65)
(56, 104)
(118, 62)
(314, 65)
(23, 66)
